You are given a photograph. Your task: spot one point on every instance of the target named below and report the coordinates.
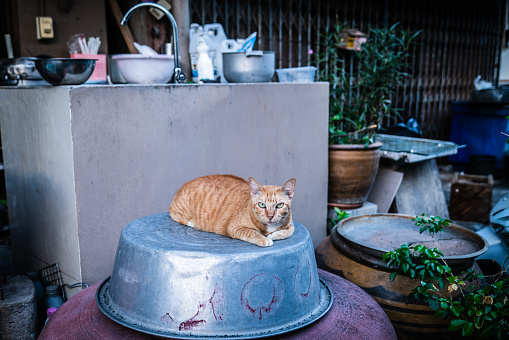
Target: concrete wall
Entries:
(106, 155)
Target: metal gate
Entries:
(459, 41)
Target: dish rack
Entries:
(51, 276)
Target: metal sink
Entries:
(411, 149)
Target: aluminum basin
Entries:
(174, 281)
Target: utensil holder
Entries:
(100, 71)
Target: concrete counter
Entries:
(82, 162)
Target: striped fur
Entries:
(231, 206)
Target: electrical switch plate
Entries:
(44, 28)
(157, 13)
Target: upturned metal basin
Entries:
(174, 281)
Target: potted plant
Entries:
(362, 86)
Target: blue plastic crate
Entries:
(480, 127)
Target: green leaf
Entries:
(468, 329)
(393, 276)
(434, 304)
(456, 324)
(456, 310)
(486, 332)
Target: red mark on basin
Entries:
(192, 322)
(261, 295)
(167, 318)
(216, 302)
(303, 279)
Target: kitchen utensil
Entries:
(304, 74)
(249, 67)
(65, 71)
(143, 69)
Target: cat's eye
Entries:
(261, 205)
(280, 205)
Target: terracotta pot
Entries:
(411, 318)
(352, 172)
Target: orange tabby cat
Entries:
(231, 206)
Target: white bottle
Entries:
(204, 65)
(213, 38)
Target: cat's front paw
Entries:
(279, 235)
(265, 242)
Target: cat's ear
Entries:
(256, 189)
(288, 188)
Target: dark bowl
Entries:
(65, 71)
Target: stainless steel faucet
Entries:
(179, 75)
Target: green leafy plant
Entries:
(340, 215)
(481, 312)
(362, 83)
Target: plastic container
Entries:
(304, 74)
(482, 165)
(49, 312)
(479, 126)
(204, 64)
(100, 74)
(214, 36)
(53, 297)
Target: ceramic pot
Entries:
(352, 172)
(360, 262)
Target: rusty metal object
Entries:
(175, 281)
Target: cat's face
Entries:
(271, 204)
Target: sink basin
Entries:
(145, 69)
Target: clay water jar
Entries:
(354, 251)
(352, 172)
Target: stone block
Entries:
(18, 317)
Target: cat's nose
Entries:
(270, 217)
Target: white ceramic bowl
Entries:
(144, 69)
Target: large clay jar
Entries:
(352, 172)
(358, 263)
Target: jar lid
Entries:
(53, 289)
(50, 311)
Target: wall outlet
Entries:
(44, 27)
(157, 13)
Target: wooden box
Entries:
(471, 197)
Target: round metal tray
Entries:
(103, 302)
(378, 234)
